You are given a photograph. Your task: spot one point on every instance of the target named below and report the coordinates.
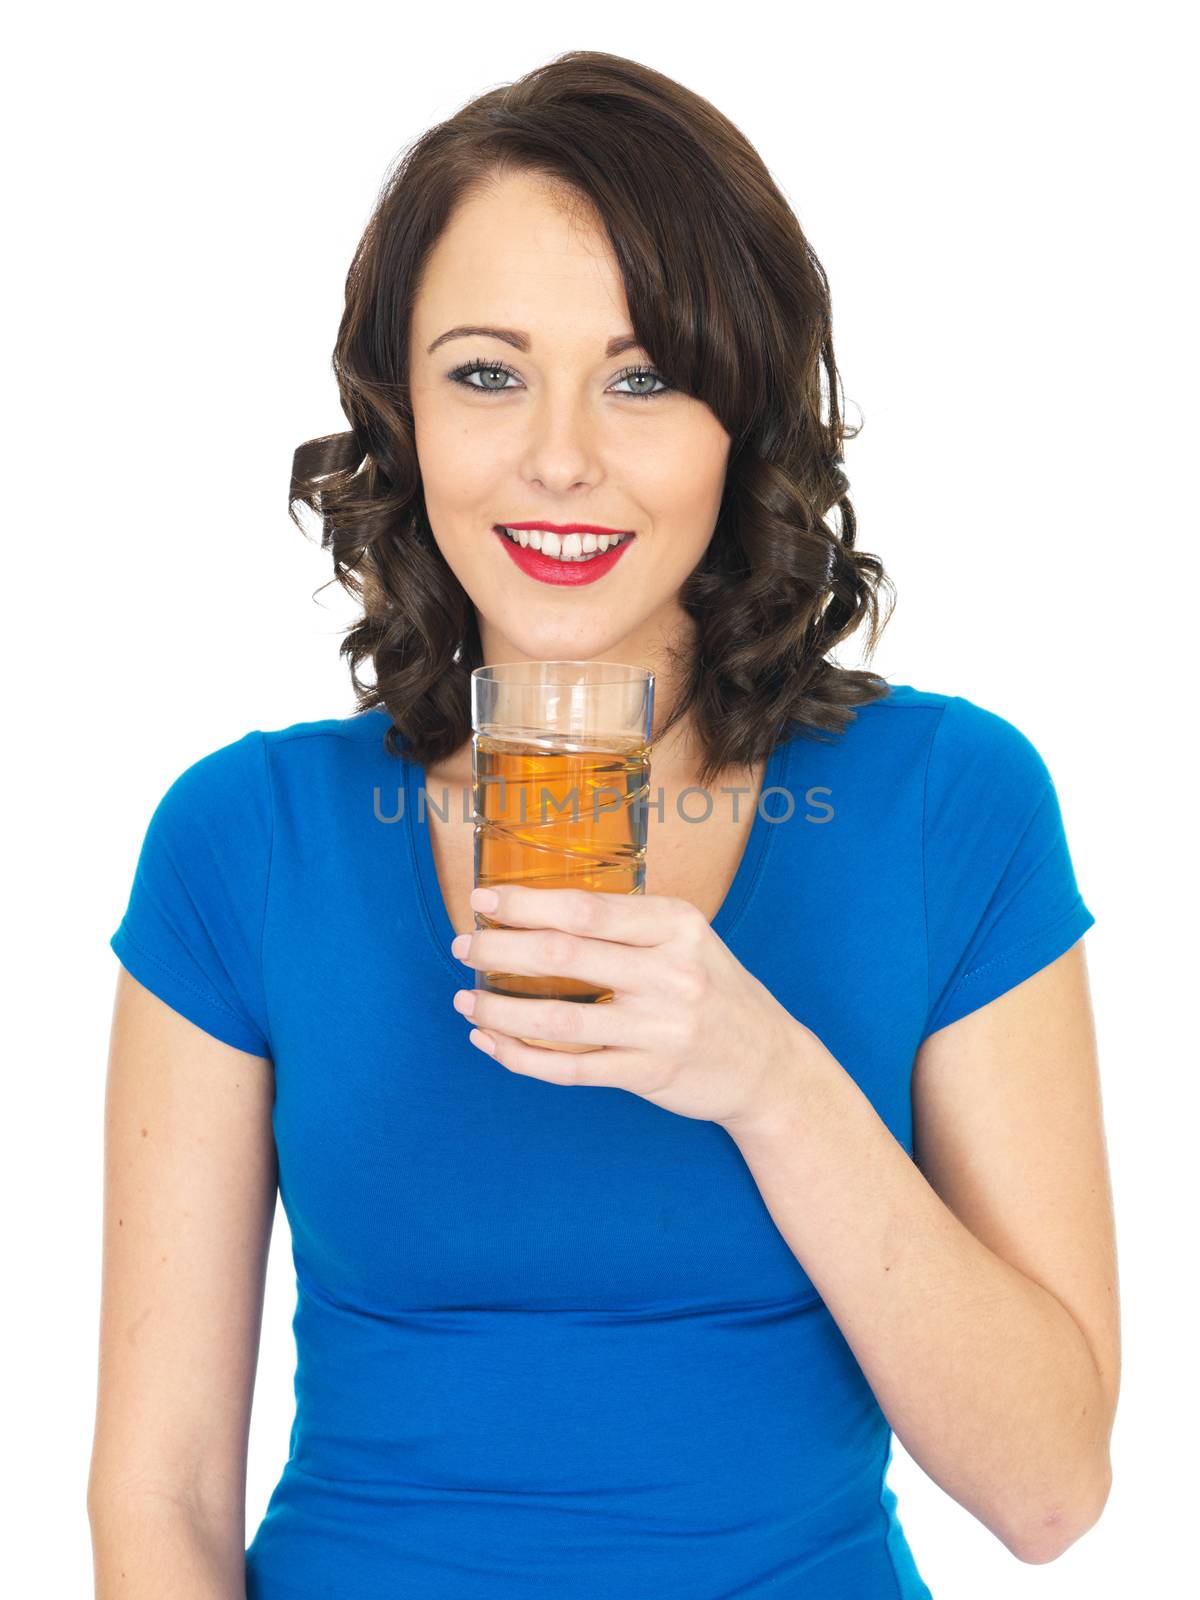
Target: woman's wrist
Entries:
(798, 1071)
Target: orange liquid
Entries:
(558, 818)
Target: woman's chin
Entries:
(559, 647)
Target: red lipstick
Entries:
(569, 573)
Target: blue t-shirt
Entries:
(549, 1340)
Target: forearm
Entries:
(983, 1375)
(145, 1546)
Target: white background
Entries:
(1001, 199)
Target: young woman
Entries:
(642, 1320)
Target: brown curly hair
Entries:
(728, 298)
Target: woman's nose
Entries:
(562, 448)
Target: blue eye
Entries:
(461, 375)
(643, 372)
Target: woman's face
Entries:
(547, 429)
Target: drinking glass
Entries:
(560, 763)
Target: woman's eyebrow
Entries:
(522, 341)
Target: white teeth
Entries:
(568, 547)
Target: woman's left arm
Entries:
(976, 1284)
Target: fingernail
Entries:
(484, 899)
(482, 1040)
(460, 944)
(464, 1001)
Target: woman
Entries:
(555, 1339)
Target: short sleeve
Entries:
(192, 930)
(1001, 898)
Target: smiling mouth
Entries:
(567, 547)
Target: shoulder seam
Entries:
(924, 863)
(1047, 788)
(309, 733)
(262, 932)
(890, 703)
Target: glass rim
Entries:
(625, 672)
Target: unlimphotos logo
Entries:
(604, 799)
